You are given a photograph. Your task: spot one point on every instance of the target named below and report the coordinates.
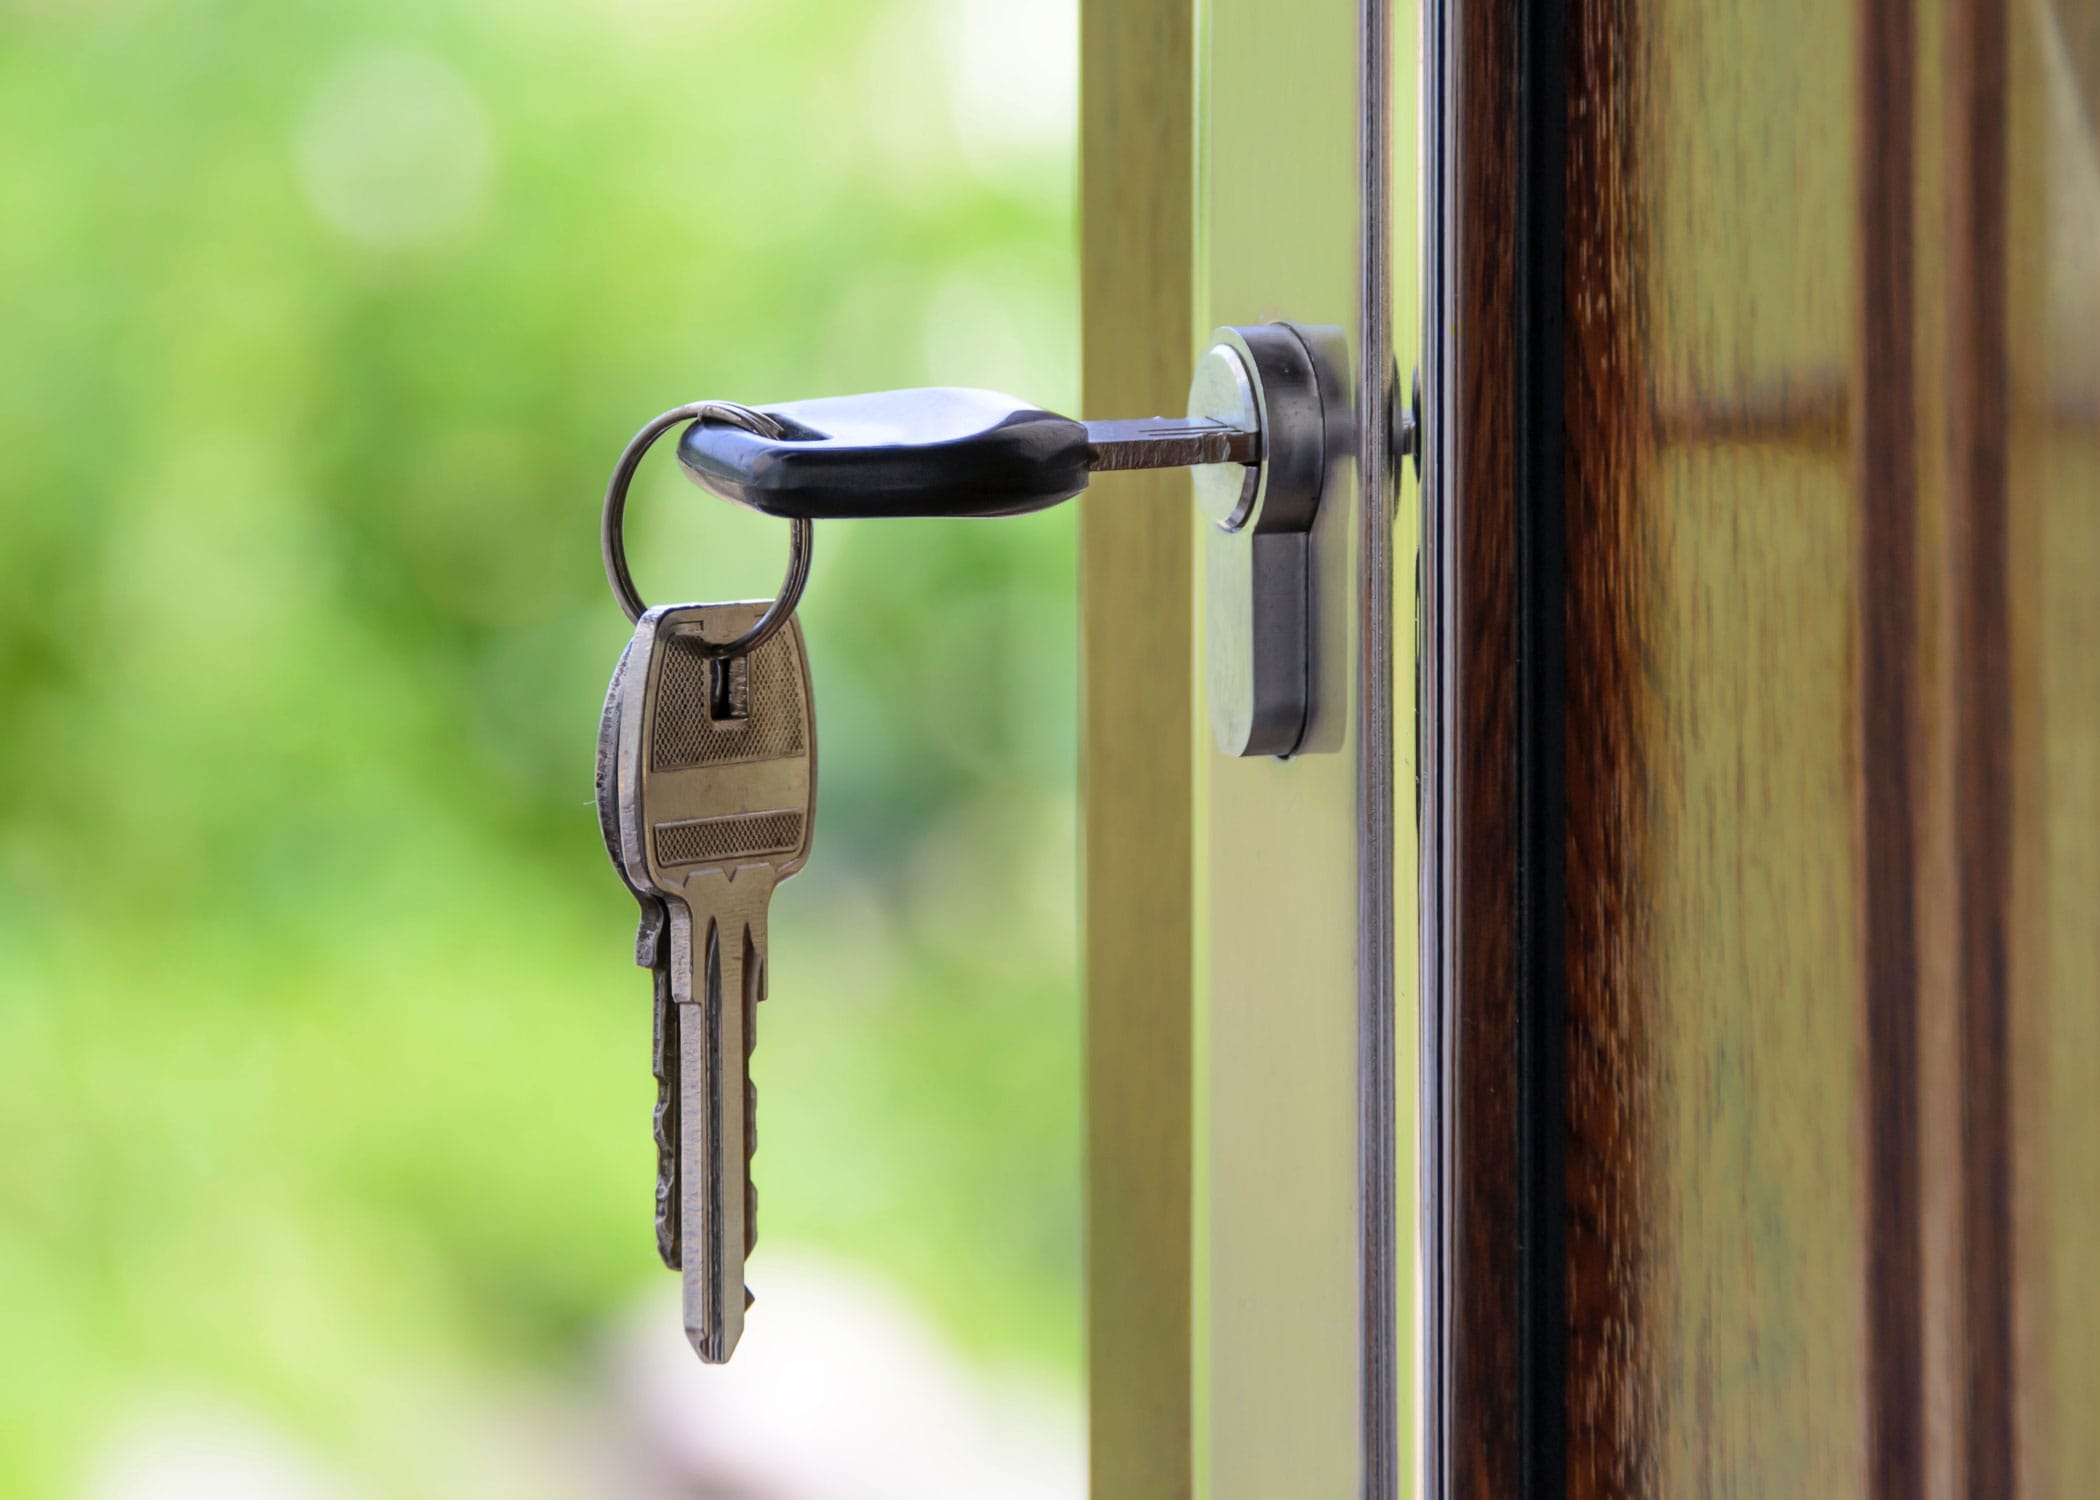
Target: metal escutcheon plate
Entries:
(1289, 383)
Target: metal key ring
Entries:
(612, 538)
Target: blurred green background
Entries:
(324, 1088)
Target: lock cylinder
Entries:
(1288, 384)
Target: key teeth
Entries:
(664, 1126)
(667, 1247)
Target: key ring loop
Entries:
(612, 539)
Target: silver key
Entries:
(715, 793)
(652, 953)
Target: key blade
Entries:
(714, 1122)
(713, 1259)
(1168, 443)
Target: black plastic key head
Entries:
(941, 451)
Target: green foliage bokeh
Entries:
(323, 1078)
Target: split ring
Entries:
(612, 530)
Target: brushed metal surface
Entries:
(1256, 650)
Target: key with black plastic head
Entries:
(944, 451)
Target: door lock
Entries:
(1268, 411)
(1289, 384)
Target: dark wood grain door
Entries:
(1762, 748)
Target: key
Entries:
(651, 953)
(715, 795)
(942, 452)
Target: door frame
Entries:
(1138, 717)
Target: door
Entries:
(1681, 1078)
(1249, 1097)
(1761, 459)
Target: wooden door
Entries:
(1758, 980)
(1766, 716)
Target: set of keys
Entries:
(707, 791)
(707, 750)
